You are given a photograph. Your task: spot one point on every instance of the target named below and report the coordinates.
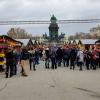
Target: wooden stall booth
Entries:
(6, 41)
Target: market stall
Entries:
(6, 41)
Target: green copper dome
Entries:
(53, 18)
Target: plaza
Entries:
(48, 84)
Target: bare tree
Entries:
(18, 33)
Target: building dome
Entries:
(53, 18)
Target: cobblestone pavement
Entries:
(60, 84)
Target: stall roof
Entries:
(24, 41)
(85, 41)
(7, 37)
(98, 41)
(89, 41)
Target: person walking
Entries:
(59, 56)
(94, 58)
(47, 58)
(37, 55)
(24, 57)
(73, 54)
(9, 62)
(87, 58)
(17, 56)
(66, 54)
(53, 59)
(32, 59)
(80, 55)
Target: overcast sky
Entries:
(43, 9)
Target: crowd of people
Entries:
(53, 56)
(71, 57)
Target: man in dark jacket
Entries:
(24, 57)
(66, 54)
(32, 59)
(59, 56)
(87, 58)
(53, 59)
(9, 62)
(37, 55)
(73, 55)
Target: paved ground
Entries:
(60, 84)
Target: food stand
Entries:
(6, 41)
